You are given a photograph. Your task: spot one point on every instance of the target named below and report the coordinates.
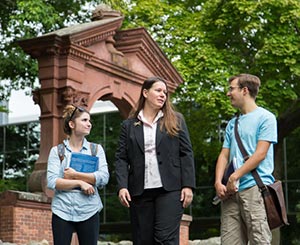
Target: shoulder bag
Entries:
(272, 194)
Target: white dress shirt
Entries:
(152, 175)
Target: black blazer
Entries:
(174, 156)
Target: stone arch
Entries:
(124, 103)
(87, 62)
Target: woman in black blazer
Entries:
(155, 166)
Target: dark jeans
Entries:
(87, 231)
(155, 217)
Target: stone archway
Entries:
(84, 63)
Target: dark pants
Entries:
(87, 231)
(155, 217)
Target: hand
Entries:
(124, 197)
(186, 196)
(87, 188)
(69, 173)
(232, 185)
(221, 191)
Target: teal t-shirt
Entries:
(259, 124)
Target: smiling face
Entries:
(155, 97)
(235, 93)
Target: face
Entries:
(81, 125)
(235, 93)
(156, 96)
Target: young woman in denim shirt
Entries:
(76, 203)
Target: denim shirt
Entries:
(74, 205)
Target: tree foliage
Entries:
(208, 41)
(19, 149)
(22, 19)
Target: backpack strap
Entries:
(61, 151)
(94, 149)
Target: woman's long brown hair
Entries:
(170, 120)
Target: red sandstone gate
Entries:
(84, 63)
(80, 65)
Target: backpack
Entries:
(61, 150)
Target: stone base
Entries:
(184, 229)
(25, 217)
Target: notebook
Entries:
(230, 168)
(84, 163)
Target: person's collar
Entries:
(248, 108)
(85, 144)
(159, 115)
(141, 117)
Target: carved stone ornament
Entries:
(36, 96)
(72, 96)
(103, 11)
